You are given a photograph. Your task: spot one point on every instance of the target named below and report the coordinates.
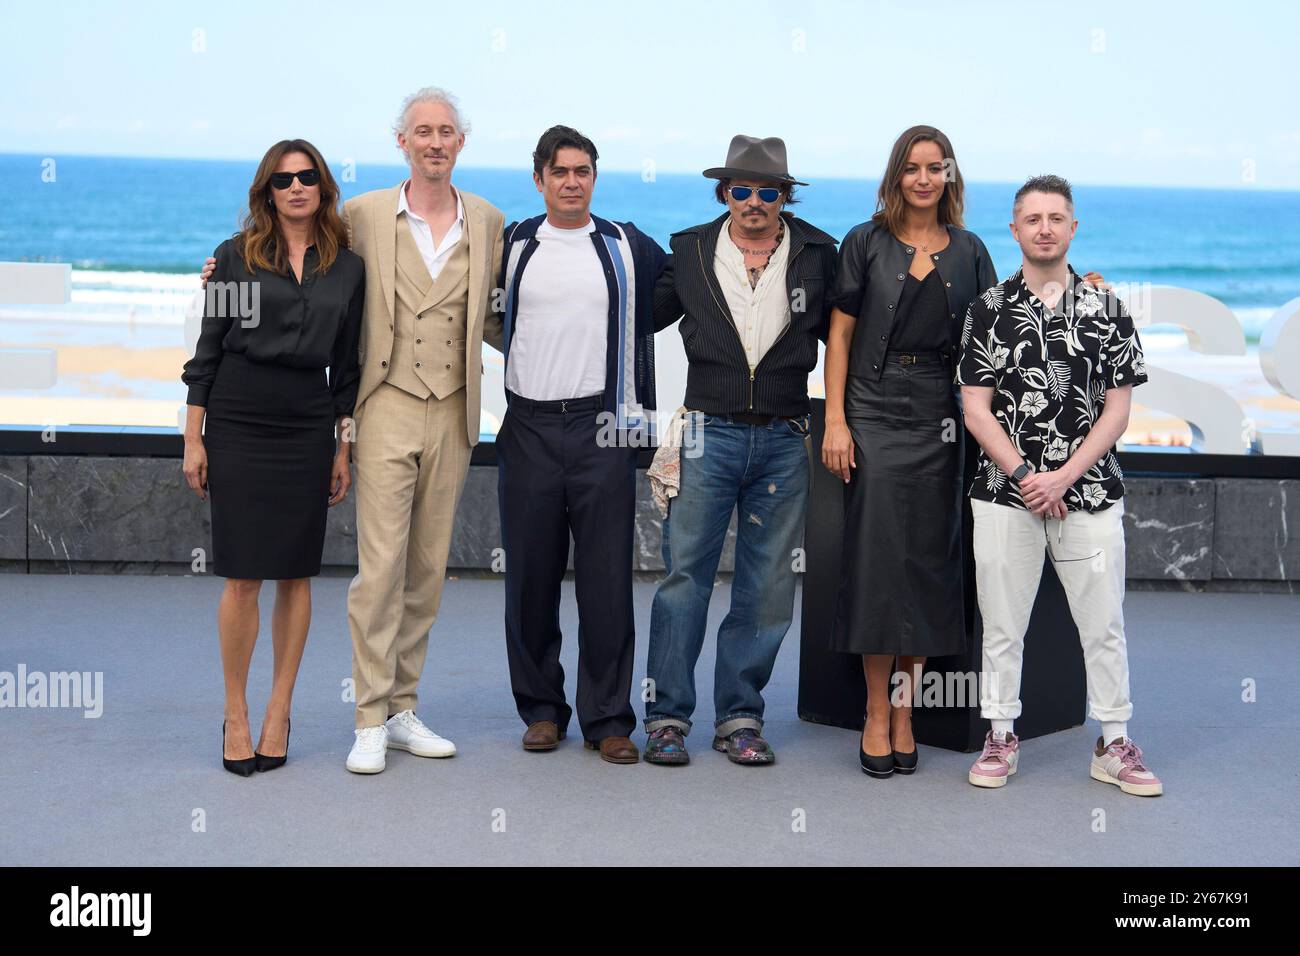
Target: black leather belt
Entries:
(917, 358)
(560, 406)
(745, 418)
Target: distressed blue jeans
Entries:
(762, 470)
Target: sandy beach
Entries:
(115, 385)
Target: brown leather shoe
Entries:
(615, 749)
(542, 735)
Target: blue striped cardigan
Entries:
(632, 262)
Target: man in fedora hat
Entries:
(750, 288)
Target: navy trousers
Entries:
(556, 479)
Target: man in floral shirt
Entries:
(1047, 369)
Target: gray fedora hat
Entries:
(749, 157)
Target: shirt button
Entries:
(417, 364)
(383, 364)
(909, 250)
(449, 341)
(891, 305)
(875, 366)
(390, 326)
(882, 338)
(448, 366)
(449, 318)
(418, 341)
(900, 275)
(936, 257)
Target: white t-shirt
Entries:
(557, 349)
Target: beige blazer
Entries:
(372, 224)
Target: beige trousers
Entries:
(1087, 551)
(411, 458)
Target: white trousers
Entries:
(1087, 551)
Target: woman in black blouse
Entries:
(894, 432)
(283, 304)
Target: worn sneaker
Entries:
(407, 732)
(997, 762)
(1120, 763)
(745, 746)
(667, 746)
(367, 754)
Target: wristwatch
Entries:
(1018, 475)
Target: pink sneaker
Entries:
(997, 762)
(1120, 763)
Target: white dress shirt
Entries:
(435, 255)
(763, 312)
(557, 350)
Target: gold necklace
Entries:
(924, 247)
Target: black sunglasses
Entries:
(308, 177)
(767, 193)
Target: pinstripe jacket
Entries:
(719, 378)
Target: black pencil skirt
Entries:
(901, 570)
(269, 435)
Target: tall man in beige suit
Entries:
(432, 253)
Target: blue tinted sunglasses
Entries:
(767, 193)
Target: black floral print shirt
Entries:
(1049, 369)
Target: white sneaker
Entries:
(407, 732)
(367, 754)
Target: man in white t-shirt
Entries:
(578, 329)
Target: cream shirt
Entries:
(435, 255)
(762, 313)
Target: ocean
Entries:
(136, 231)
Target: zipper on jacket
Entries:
(699, 248)
(780, 335)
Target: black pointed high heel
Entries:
(264, 762)
(878, 767)
(244, 767)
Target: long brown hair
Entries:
(259, 237)
(891, 206)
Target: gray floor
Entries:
(127, 788)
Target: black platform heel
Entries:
(907, 762)
(264, 762)
(879, 767)
(245, 767)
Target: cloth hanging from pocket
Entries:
(665, 472)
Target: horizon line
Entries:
(1244, 188)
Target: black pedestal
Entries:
(832, 689)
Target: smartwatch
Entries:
(1018, 475)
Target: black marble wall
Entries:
(70, 514)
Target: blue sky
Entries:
(1178, 94)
